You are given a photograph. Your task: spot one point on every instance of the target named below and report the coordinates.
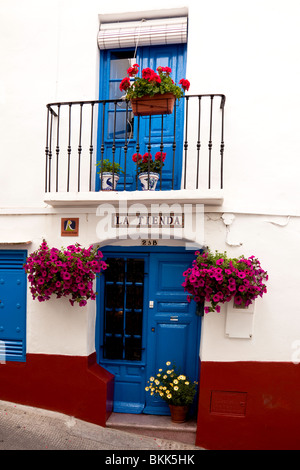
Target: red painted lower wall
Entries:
(242, 405)
(249, 406)
(76, 386)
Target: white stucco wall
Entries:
(246, 51)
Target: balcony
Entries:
(82, 133)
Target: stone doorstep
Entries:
(154, 426)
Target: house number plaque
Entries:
(149, 242)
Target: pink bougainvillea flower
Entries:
(60, 272)
(223, 278)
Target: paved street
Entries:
(26, 428)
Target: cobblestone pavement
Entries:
(27, 428)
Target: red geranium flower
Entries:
(167, 70)
(185, 84)
(147, 73)
(160, 156)
(132, 71)
(136, 157)
(147, 157)
(125, 83)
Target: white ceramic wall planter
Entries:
(239, 321)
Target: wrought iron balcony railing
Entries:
(82, 133)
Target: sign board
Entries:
(170, 220)
(69, 227)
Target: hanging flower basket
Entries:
(65, 273)
(153, 105)
(152, 93)
(217, 279)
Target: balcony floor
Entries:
(68, 199)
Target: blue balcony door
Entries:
(143, 321)
(12, 306)
(118, 127)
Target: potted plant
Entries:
(148, 170)
(175, 389)
(217, 279)
(68, 272)
(152, 93)
(109, 174)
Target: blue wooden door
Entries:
(165, 130)
(12, 305)
(118, 127)
(121, 326)
(144, 320)
(173, 326)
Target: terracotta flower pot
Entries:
(179, 413)
(153, 105)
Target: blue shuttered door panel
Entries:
(116, 128)
(12, 305)
(174, 328)
(123, 337)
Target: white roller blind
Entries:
(142, 33)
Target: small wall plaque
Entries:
(228, 403)
(69, 227)
(239, 321)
